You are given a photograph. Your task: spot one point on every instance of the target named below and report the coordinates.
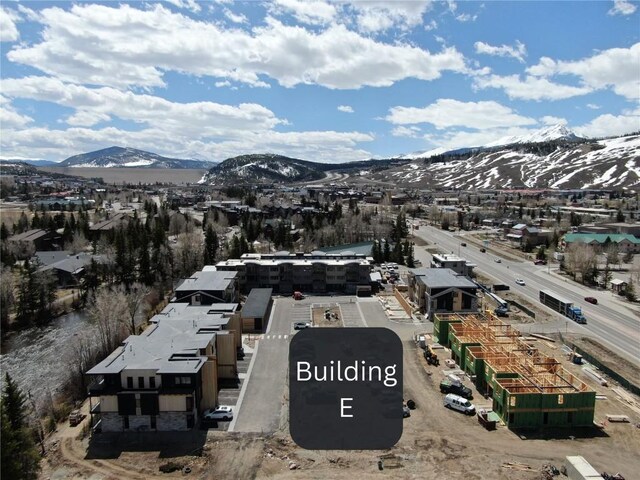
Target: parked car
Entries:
(540, 262)
(301, 325)
(591, 300)
(456, 402)
(498, 260)
(219, 413)
(406, 412)
(519, 281)
(483, 250)
(463, 244)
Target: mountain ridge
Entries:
(126, 157)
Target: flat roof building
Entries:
(255, 311)
(208, 287)
(315, 272)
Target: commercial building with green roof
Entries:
(626, 242)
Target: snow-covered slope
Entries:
(610, 163)
(119, 157)
(556, 132)
(264, 168)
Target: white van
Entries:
(459, 403)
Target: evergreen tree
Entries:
(630, 291)
(4, 232)
(410, 260)
(20, 458)
(387, 251)
(210, 245)
(145, 274)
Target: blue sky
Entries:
(322, 81)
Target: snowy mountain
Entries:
(549, 134)
(426, 154)
(264, 168)
(17, 167)
(556, 133)
(119, 157)
(609, 163)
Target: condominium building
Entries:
(315, 272)
(166, 377)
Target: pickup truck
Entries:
(448, 386)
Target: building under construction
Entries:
(528, 388)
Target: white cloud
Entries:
(186, 4)
(84, 118)
(9, 117)
(126, 47)
(345, 108)
(378, 16)
(551, 120)
(531, 88)
(466, 17)
(97, 104)
(235, 17)
(205, 129)
(309, 12)
(432, 25)
(608, 124)
(461, 17)
(519, 51)
(322, 146)
(622, 7)
(8, 29)
(409, 132)
(616, 68)
(225, 83)
(447, 112)
(593, 106)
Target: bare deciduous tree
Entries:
(108, 311)
(78, 243)
(188, 254)
(580, 259)
(137, 305)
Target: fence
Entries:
(632, 387)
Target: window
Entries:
(189, 404)
(129, 382)
(560, 399)
(512, 401)
(140, 382)
(153, 422)
(183, 381)
(152, 382)
(125, 422)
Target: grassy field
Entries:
(133, 175)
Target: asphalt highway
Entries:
(612, 322)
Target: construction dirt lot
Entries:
(436, 444)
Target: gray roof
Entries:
(47, 258)
(257, 303)
(73, 263)
(207, 281)
(170, 346)
(442, 278)
(28, 236)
